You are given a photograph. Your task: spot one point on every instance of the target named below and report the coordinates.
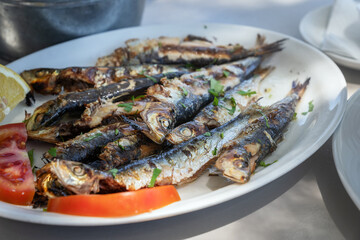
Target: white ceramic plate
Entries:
(346, 148)
(312, 29)
(297, 61)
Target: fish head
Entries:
(185, 132)
(159, 119)
(235, 165)
(62, 177)
(42, 80)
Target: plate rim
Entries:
(336, 152)
(281, 170)
(344, 61)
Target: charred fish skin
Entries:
(83, 148)
(182, 98)
(228, 107)
(194, 50)
(53, 81)
(51, 112)
(240, 157)
(125, 149)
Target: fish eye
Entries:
(186, 132)
(164, 122)
(78, 171)
(39, 73)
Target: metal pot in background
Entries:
(27, 26)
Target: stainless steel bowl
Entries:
(27, 26)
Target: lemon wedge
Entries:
(13, 90)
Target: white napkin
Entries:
(343, 31)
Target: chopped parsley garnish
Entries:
(92, 137)
(151, 78)
(31, 157)
(113, 172)
(44, 209)
(263, 164)
(246, 93)
(116, 131)
(52, 152)
(185, 92)
(216, 89)
(208, 134)
(216, 101)
(159, 44)
(127, 106)
(156, 173)
(183, 105)
(222, 135)
(214, 151)
(190, 66)
(265, 117)
(294, 116)
(226, 73)
(311, 108)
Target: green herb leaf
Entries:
(216, 101)
(116, 131)
(216, 89)
(294, 116)
(52, 152)
(127, 106)
(263, 164)
(44, 209)
(214, 151)
(151, 78)
(113, 172)
(208, 134)
(233, 106)
(310, 109)
(246, 93)
(159, 44)
(265, 117)
(226, 73)
(92, 137)
(183, 105)
(185, 92)
(222, 135)
(311, 106)
(139, 97)
(31, 157)
(156, 173)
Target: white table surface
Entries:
(303, 212)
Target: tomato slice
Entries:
(16, 177)
(115, 204)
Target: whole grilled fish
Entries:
(177, 100)
(51, 112)
(192, 49)
(179, 165)
(240, 156)
(84, 148)
(53, 81)
(227, 108)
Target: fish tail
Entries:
(299, 88)
(265, 49)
